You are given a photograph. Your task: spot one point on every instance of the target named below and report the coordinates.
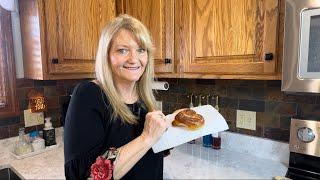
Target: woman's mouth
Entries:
(131, 68)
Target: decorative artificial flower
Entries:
(102, 169)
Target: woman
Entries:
(117, 109)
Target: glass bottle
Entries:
(191, 106)
(217, 104)
(216, 144)
(23, 146)
(216, 141)
(49, 133)
(207, 139)
(194, 141)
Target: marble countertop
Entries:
(192, 161)
(188, 161)
(48, 165)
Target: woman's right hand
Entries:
(154, 126)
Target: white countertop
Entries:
(191, 161)
(48, 165)
(188, 161)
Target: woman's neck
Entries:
(128, 92)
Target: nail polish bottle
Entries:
(207, 140)
(216, 141)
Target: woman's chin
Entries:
(132, 78)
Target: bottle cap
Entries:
(215, 134)
(48, 123)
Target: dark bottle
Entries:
(216, 141)
(216, 144)
(49, 135)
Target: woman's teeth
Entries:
(131, 68)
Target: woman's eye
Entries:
(141, 50)
(123, 51)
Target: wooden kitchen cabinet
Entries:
(8, 98)
(158, 17)
(227, 39)
(60, 37)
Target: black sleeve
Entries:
(84, 130)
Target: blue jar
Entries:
(207, 140)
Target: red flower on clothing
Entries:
(101, 169)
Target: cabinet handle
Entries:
(167, 61)
(268, 56)
(55, 61)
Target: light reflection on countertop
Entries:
(188, 161)
(48, 165)
(192, 161)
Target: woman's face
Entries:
(127, 58)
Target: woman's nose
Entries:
(134, 56)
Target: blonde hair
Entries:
(104, 73)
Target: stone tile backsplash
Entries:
(56, 92)
(274, 108)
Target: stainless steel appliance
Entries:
(304, 162)
(301, 58)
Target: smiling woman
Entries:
(8, 101)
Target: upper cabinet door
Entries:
(8, 98)
(227, 37)
(157, 16)
(73, 31)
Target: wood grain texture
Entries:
(76, 27)
(230, 76)
(225, 28)
(7, 70)
(227, 37)
(31, 39)
(270, 37)
(150, 13)
(281, 35)
(157, 16)
(67, 30)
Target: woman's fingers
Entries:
(156, 118)
(169, 120)
(166, 120)
(155, 125)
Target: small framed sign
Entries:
(37, 102)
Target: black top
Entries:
(89, 132)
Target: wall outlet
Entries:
(159, 104)
(246, 119)
(32, 119)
